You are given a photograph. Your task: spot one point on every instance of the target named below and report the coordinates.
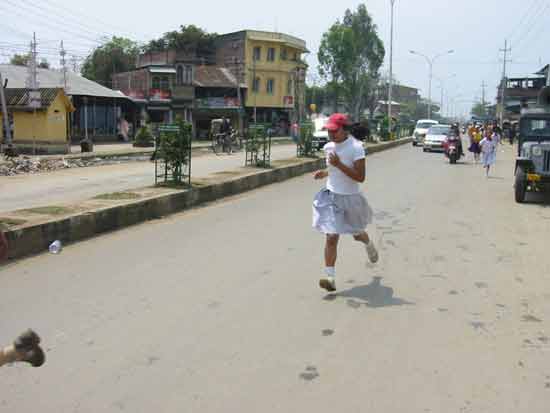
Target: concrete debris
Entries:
(32, 165)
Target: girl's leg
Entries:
(331, 250)
(371, 249)
(328, 282)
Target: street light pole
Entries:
(430, 64)
(390, 85)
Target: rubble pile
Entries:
(33, 165)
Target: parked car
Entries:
(320, 134)
(436, 137)
(421, 130)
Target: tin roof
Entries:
(215, 76)
(76, 84)
(18, 98)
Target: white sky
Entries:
(475, 29)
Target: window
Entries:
(156, 82)
(188, 75)
(257, 53)
(295, 57)
(256, 85)
(270, 86)
(164, 83)
(271, 54)
(284, 54)
(179, 76)
(289, 87)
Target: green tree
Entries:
(44, 64)
(114, 56)
(479, 109)
(350, 57)
(20, 59)
(188, 38)
(23, 60)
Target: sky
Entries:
(475, 29)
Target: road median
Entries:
(31, 231)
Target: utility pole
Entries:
(5, 117)
(483, 87)
(503, 83)
(63, 62)
(390, 86)
(34, 92)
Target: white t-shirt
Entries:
(349, 151)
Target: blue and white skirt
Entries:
(341, 214)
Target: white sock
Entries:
(330, 272)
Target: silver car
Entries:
(436, 137)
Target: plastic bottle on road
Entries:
(55, 247)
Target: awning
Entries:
(159, 108)
(169, 70)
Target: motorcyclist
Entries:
(455, 133)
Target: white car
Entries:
(436, 137)
(320, 135)
(421, 130)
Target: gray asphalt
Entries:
(73, 185)
(218, 310)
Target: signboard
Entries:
(219, 103)
(169, 128)
(288, 100)
(35, 100)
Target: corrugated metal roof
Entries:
(215, 76)
(18, 98)
(77, 85)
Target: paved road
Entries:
(218, 310)
(73, 185)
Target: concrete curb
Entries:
(36, 238)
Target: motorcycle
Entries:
(452, 149)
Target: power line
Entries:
(56, 28)
(525, 36)
(57, 23)
(524, 18)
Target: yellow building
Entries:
(272, 67)
(44, 129)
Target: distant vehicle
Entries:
(320, 134)
(421, 130)
(533, 162)
(435, 138)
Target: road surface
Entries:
(218, 309)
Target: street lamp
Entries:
(431, 63)
(390, 86)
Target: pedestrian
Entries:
(341, 208)
(475, 139)
(489, 150)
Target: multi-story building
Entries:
(520, 92)
(272, 67)
(249, 76)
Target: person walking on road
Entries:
(475, 139)
(489, 150)
(341, 208)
